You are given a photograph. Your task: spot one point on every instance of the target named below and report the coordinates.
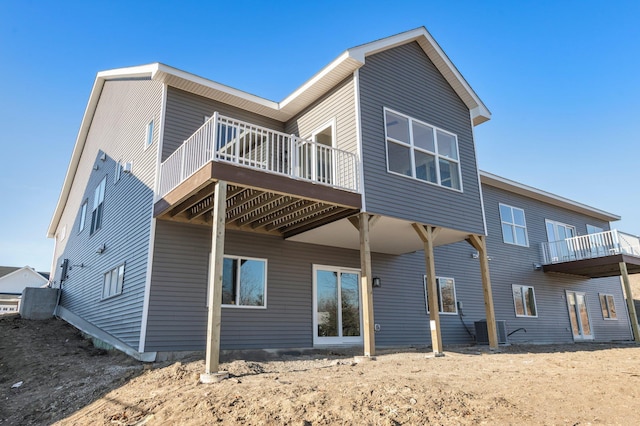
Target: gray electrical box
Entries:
(482, 333)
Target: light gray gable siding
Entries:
(405, 80)
(185, 114)
(178, 314)
(338, 104)
(513, 264)
(118, 129)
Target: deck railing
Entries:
(590, 246)
(244, 144)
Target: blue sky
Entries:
(562, 79)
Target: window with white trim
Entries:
(149, 136)
(446, 288)
(524, 301)
(421, 151)
(98, 205)
(244, 282)
(514, 225)
(118, 172)
(608, 306)
(112, 283)
(83, 216)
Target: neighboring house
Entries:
(328, 218)
(13, 281)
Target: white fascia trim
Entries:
(479, 112)
(162, 68)
(130, 72)
(317, 77)
(538, 194)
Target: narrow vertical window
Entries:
(149, 138)
(118, 172)
(83, 216)
(98, 204)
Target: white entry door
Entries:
(337, 315)
(579, 316)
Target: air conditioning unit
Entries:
(482, 332)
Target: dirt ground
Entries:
(65, 380)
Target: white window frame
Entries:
(238, 284)
(608, 298)
(413, 149)
(593, 229)
(83, 215)
(98, 206)
(513, 225)
(557, 224)
(148, 139)
(439, 289)
(118, 172)
(524, 300)
(334, 340)
(110, 290)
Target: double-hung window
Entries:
(98, 204)
(421, 151)
(524, 301)
(608, 306)
(244, 282)
(514, 226)
(113, 280)
(446, 288)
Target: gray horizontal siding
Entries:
(338, 104)
(513, 264)
(405, 80)
(185, 114)
(118, 129)
(178, 314)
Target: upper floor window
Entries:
(244, 281)
(524, 301)
(446, 295)
(98, 204)
(514, 226)
(83, 215)
(592, 229)
(608, 306)
(558, 231)
(149, 137)
(421, 151)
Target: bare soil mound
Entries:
(66, 380)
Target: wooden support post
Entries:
(366, 286)
(427, 234)
(212, 356)
(480, 244)
(630, 306)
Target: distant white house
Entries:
(13, 280)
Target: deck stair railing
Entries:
(590, 246)
(244, 144)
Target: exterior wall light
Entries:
(376, 282)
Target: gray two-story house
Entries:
(194, 215)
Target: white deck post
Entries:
(212, 357)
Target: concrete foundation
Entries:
(38, 303)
